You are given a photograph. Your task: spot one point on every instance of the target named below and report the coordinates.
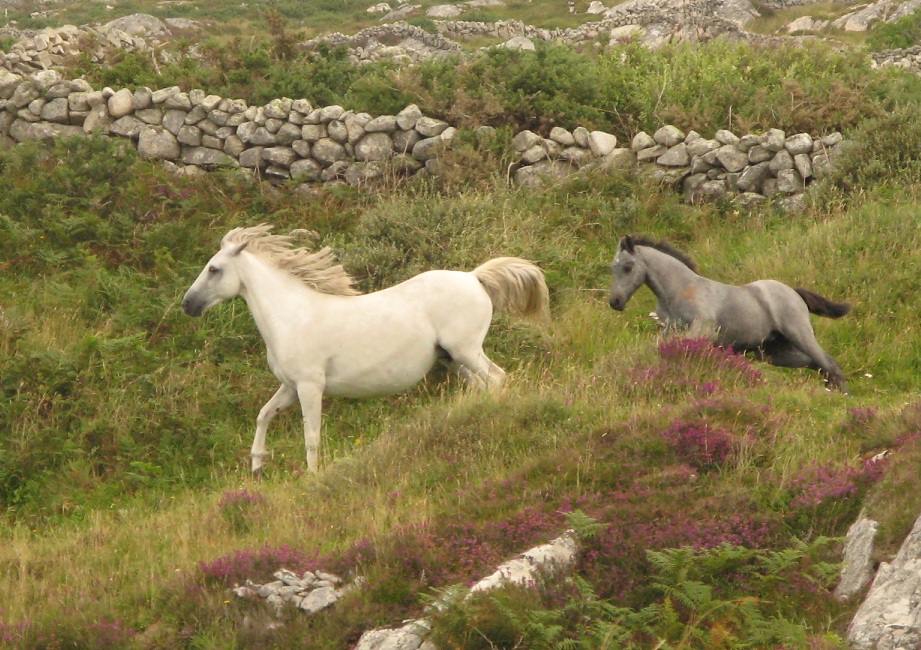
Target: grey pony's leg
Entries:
(805, 352)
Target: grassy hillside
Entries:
(125, 425)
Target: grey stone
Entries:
(173, 120)
(384, 123)
(676, 156)
(159, 144)
(758, 154)
(576, 155)
(731, 158)
(803, 165)
(21, 131)
(789, 181)
(121, 103)
(24, 93)
(753, 177)
(338, 131)
(669, 136)
(355, 126)
(407, 118)
(773, 139)
(56, 111)
(725, 137)
(580, 134)
(153, 116)
(642, 140)
(534, 154)
(601, 143)
(204, 156)
(189, 135)
(327, 151)
(127, 126)
(429, 127)
(330, 113)
(539, 175)
(799, 143)
(233, 146)
(305, 170)
(278, 108)
(890, 617)
(525, 140)
(650, 154)
(287, 134)
(404, 141)
(427, 149)
(373, 147)
(857, 565)
(252, 157)
(313, 132)
(781, 160)
(281, 156)
(701, 146)
(562, 136)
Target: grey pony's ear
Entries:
(239, 249)
(626, 244)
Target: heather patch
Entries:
(452, 551)
(648, 517)
(253, 564)
(828, 496)
(694, 366)
(240, 509)
(700, 445)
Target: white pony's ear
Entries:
(626, 244)
(239, 249)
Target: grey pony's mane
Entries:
(319, 270)
(668, 249)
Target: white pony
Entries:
(322, 337)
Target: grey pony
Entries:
(765, 317)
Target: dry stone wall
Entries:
(292, 139)
(283, 139)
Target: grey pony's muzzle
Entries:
(617, 304)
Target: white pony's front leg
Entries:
(282, 399)
(311, 396)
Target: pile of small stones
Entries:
(310, 592)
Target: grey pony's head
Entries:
(628, 274)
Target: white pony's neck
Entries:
(272, 295)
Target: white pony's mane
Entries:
(319, 270)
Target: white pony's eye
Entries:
(213, 269)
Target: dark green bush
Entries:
(902, 33)
(883, 152)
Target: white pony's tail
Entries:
(516, 287)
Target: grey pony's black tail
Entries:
(823, 306)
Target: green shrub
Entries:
(902, 33)
(882, 153)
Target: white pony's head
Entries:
(218, 281)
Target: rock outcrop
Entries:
(890, 616)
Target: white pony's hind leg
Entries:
(478, 370)
(282, 399)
